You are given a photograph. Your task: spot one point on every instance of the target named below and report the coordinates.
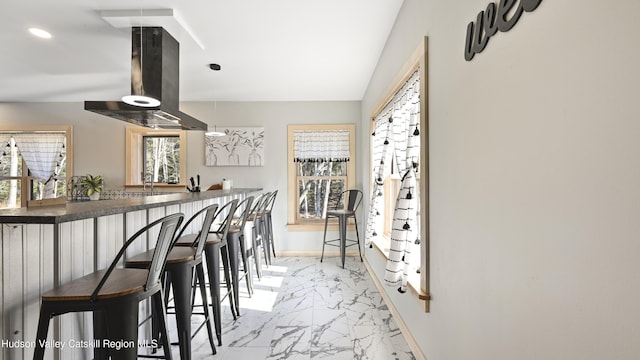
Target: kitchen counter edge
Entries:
(72, 211)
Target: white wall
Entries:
(100, 146)
(98, 141)
(274, 116)
(535, 181)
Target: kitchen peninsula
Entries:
(46, 246)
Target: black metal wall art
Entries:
(491, 20)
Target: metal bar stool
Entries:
(236, 234)
(182, 262)
(215, 247)
(113, 296)
(268, 224)
(255, 222)
(353, 198)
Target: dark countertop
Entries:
(90, 209)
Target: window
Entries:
(35, 164)
(398, 217)
(321, 166)
(319, 185)
(162, 158)
(155, 155)
(10, 175)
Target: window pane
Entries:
(316, 195)
(162, 159)
(10, 194)
(10, 162)
(322, 168)
(51, 190)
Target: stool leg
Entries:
(43, 329)
(256, 251)
(212, 257)
(224, 254)
(161, 311)
(205, 305)
(355, 222)
(230, 264)
(324, 239)
(245, 265)
(270, 230)
(249, 256)
(263, 240)
(232, 246)
(343, 238)
(181, 281)
(122, 329)
(100, 333)
(266, 241)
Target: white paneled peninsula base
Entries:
(46, 246)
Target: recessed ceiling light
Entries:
(40, 33)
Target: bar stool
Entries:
(215, 247)
(255, 223)
(113, 296)
(236, 234)
(353, 198)
(182, 263)
(268, 224)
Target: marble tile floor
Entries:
(304, 309)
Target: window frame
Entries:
(134, 164)
(294, 223)
(417, 61)
(26, 178)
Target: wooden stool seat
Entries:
(176, 255)
(187, 240)
(122, 282)
(214, 238)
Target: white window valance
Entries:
(320, 145)
(41, 152)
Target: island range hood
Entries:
(154, 73)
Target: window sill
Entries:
(413, 281)
(46, 202)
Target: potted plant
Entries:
(94, 185)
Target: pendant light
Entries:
(214, 132)
(140, 100)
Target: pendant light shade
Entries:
(214, 132)
(140, 100)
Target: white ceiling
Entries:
(269, 50)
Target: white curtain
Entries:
(320, 145)
(41, 152)
(397, 135)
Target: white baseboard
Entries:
(327, 254)
(411, 341)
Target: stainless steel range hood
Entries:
(154, 72)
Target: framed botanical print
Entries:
(240, 146)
